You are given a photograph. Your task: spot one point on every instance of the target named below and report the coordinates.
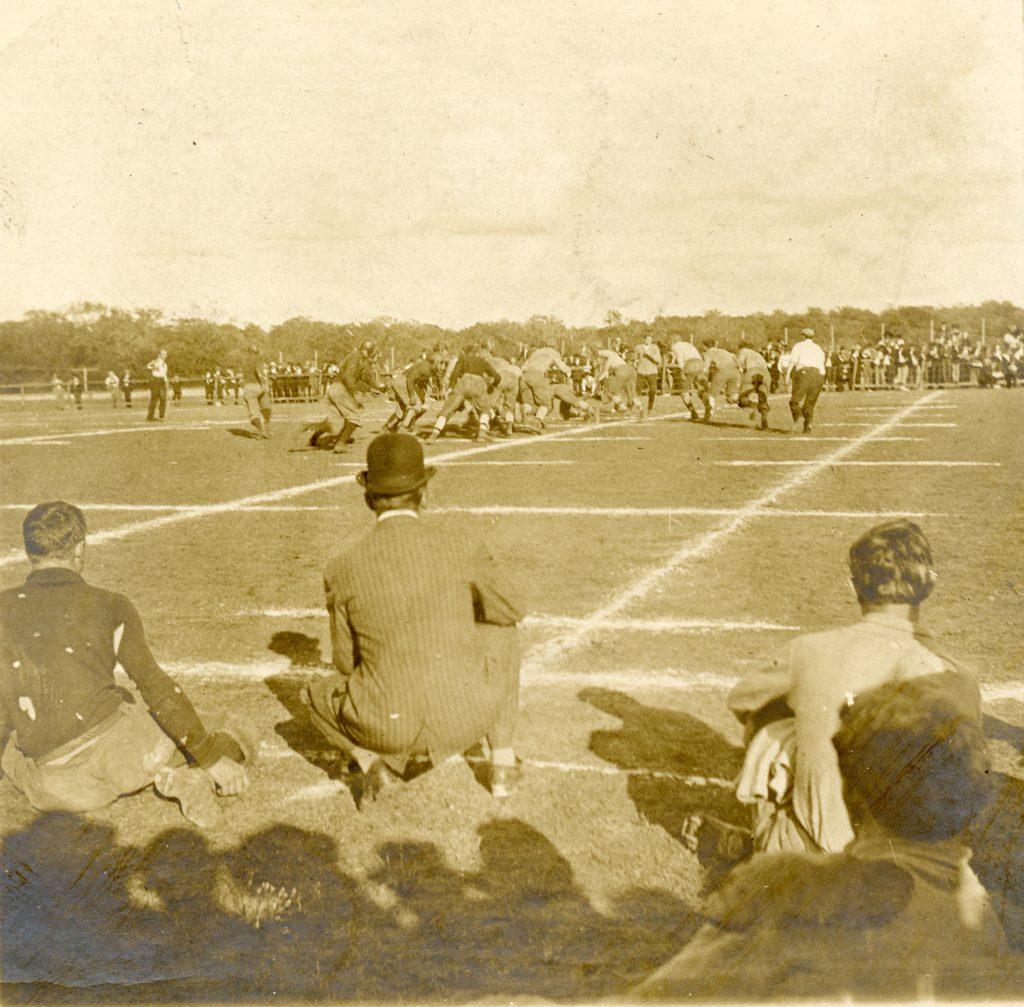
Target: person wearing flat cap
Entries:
(423, 637)
(807, 374)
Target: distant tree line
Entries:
(103, 338)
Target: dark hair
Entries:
(912, 755)
(53, 529)
(380, 504)
(892, 565)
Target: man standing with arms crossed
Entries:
(807, 374)
(157, 386)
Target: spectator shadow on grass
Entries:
(1000, 730)
(995, 838)
(661, 746)
(88, 920)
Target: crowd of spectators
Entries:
(951, 357)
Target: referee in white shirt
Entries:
(807, 373)
(157, 385)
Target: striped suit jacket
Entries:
(406, 604)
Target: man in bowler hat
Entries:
(423, 636)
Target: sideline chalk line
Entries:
(513, 509)
(542, 655)
(286, 492)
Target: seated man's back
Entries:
(403, 605)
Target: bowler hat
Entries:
(394, 465)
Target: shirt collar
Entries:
(404, 512)
(883, 617)
(53, 575)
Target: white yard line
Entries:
(287, 492)
(63, 438)
(570, 622)
(544, 655)
(603, 439)
(328, 788)
(758, 462)
(788, 441)
(545, 462)
(637, 679)
(945, 426)
(484, 510)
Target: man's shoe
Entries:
(192, 789)
(504, 781)
(377, 780)
(714, 840)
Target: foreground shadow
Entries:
(663, 748)
(85, 919)
(998, 860)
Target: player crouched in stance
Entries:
(790, 709)
(473, 379)
(79, 741)
(617, 381)
(344, 416)
(898, 914)
(754, 382)
(423, 636)
(688, 366)
(410, 389)
(721, 376)
(259, 398)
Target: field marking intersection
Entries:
(543, 655)
(329, 482)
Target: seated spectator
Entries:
(790, 709)
(423, 632)
(897, 915)
(77, 740)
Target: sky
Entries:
(466, 161)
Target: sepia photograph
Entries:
(511, 503)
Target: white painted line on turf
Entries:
(287, 492)
(485, 510)
(541, 462)
(103, 432)
(544, 655)
(603, 439)
(509, 509)
(571, 622)
(636, 679)
(328, 788)
(759, 462)
(945, 426)
(807, 440)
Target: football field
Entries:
(658, 561)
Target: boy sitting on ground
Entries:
(77, 741)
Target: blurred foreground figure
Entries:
(78, 740)
(899, 914)
(423, 633)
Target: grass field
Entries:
(659, 562)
